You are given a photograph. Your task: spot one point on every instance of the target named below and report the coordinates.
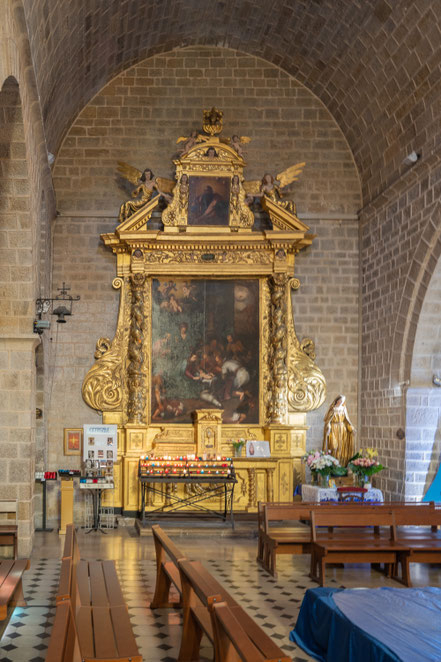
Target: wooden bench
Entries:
(11, 586)
(282, 540)
(351, 547)
(93, 620)
(99, 633)
(9, 525)
(417, 528)
(232, 640)
(167, 572)
(200, 592)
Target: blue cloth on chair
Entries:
(325, 633)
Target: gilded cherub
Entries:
(146, 183)
(190, 141)
(236, 143)
(270, 187)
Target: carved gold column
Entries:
(270, 484)
(136, 407)
(278, 407)
(251, 488)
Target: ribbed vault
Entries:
(374, 63)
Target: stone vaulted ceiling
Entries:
(375, 64)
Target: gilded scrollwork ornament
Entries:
(306, 382)
(103, 385)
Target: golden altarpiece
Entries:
(205, 350)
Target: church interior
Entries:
(220, 241)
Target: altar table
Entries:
(314, 494)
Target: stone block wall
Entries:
(400, 248)
(423, 440)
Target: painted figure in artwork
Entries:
(338, 433)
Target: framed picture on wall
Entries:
(73, 438)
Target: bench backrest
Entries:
(232, 640)
(286, 512)
(71, 549)
(199, 584)
(8, 513)
(352, 517)
(164, 543)
(63, 644)
(423, 515)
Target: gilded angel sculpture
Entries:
(270, 187)
(147, 184)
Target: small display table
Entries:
(313, 494)
(96, 490)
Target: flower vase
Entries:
(363, 480)
(238, 452)
(324, 481)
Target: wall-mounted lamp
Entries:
(436, 380)
(411, 158)
(51, 306)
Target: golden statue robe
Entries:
(338, 434)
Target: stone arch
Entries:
(421, 269)
(423, 398)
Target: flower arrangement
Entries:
(238, 445)
(365, 462)
(321, 462)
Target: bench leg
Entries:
(191, 639)
(272, 561)
(260, 548)
(403, 560)
(162, 590)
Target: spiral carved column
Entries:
(278, 407)
(136, 407)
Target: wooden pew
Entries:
(9, 525)
(100, 633)
(232, 640)
(200, 592)
(417, 528)
(11, 585)
(167, 572)
(94, 619)
(352, 547)
(283, 540)
(63, 644)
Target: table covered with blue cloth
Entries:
(370, 625)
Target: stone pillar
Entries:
(17, 430)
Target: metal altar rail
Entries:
(212, 487)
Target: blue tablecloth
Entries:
(371, 625)
(325, 633)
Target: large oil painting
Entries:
(208, 201)
(205, 349)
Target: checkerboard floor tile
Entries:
(273, 603)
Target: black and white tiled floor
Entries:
(274, 604)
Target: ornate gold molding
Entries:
(102, 387)
(306, 382)
(136, 371)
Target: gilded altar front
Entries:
(205, 350)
